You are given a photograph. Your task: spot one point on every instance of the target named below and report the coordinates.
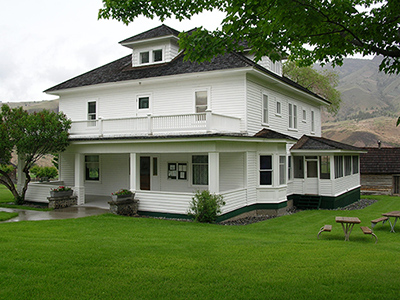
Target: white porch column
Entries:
(213, 172)
(132, 175)
(20, 175)
(80, 178)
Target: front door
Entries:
(145, 173)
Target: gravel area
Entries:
(362, 203)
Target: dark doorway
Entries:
(145, 173)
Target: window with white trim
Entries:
(282, 169)
(143, 102)
(355, 164)
(200, 169)
(292, 116)
(298, 166)
(177, 171)
(338, 161)
(144, 57)
(304, 115)
(324, 167)
(289, 167)
(265, 109)
(201, 101)
(278, 108)
(347, 165)
(312, 121)
(92, 167)
(157, 55)
(91, 110)
(265, 169)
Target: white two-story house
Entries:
(164, 128)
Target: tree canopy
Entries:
(31, 136)
(307, 31)
(322, 83)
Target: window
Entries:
(289, 168)
(292, 116)
(282, 169)
(92, 110)
(157, 55)
(304, 115)
(155, 166)
(143, 102)
(298, 164)
(347, 165)
(266, 170)
(312, 166)
(144, 57)
(265, 109)
(177, 171)
(278, 108)
(201, 101)
(200, 169)
(312, 121)
(355, 164)
(338, 166)
(324, 167)
(92, 167)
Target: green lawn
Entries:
(7, 197)
(115, 257)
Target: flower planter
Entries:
(59, 194)
(117, 198)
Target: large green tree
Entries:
(306, 31)
(31, 136)
(322, 83)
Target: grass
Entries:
(115, 257)
(6, 197)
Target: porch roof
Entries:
(307, 143)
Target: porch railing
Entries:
(198, 122)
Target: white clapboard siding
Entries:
(345, 184)
(252, 178)
(234, 199)
(231, 173)
(39, 191)
(164, 202)
(67, 168)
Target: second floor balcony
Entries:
(207, 122)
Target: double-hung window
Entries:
(144, 57)
(157, 55)
(201, 101)
(92, 167)
(91, 112)
(282, 169)
(292, 116)
(265, 109)
(200, 169)
(265, 169)
(312, 121)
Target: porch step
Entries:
(308, 202)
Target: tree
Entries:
(322, 83)
(31, 136)
(304, 30)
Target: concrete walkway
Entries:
(57, 214)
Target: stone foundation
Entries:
(125, 207)
(62, 202)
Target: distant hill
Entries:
(35, 106)
(370, 105)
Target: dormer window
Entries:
(157, 55)
(144, 57)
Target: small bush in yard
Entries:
(205, 207)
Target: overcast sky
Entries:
(45, 42)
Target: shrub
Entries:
(205, 207)
(44, 172)
(7, 168)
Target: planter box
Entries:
(61, 194)
(117, 198)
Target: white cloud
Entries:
(45, 42)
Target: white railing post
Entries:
(101, 126)
(208, 120)
(150, 124)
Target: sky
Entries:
(45, 42)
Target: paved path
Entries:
(57, 214)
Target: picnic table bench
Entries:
(367, 230)
(376, 221)
(324, 228)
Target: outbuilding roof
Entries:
(319, 143)
(380, 161)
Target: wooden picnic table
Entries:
(392, 214)
(347, 225)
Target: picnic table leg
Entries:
(394, 224)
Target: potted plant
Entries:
(122, 194)
(61, 191)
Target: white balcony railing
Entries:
(149, 125)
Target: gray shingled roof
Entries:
(159, 31)
(380, 161)
(319, 143)
(271, 134)
(122, 70)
